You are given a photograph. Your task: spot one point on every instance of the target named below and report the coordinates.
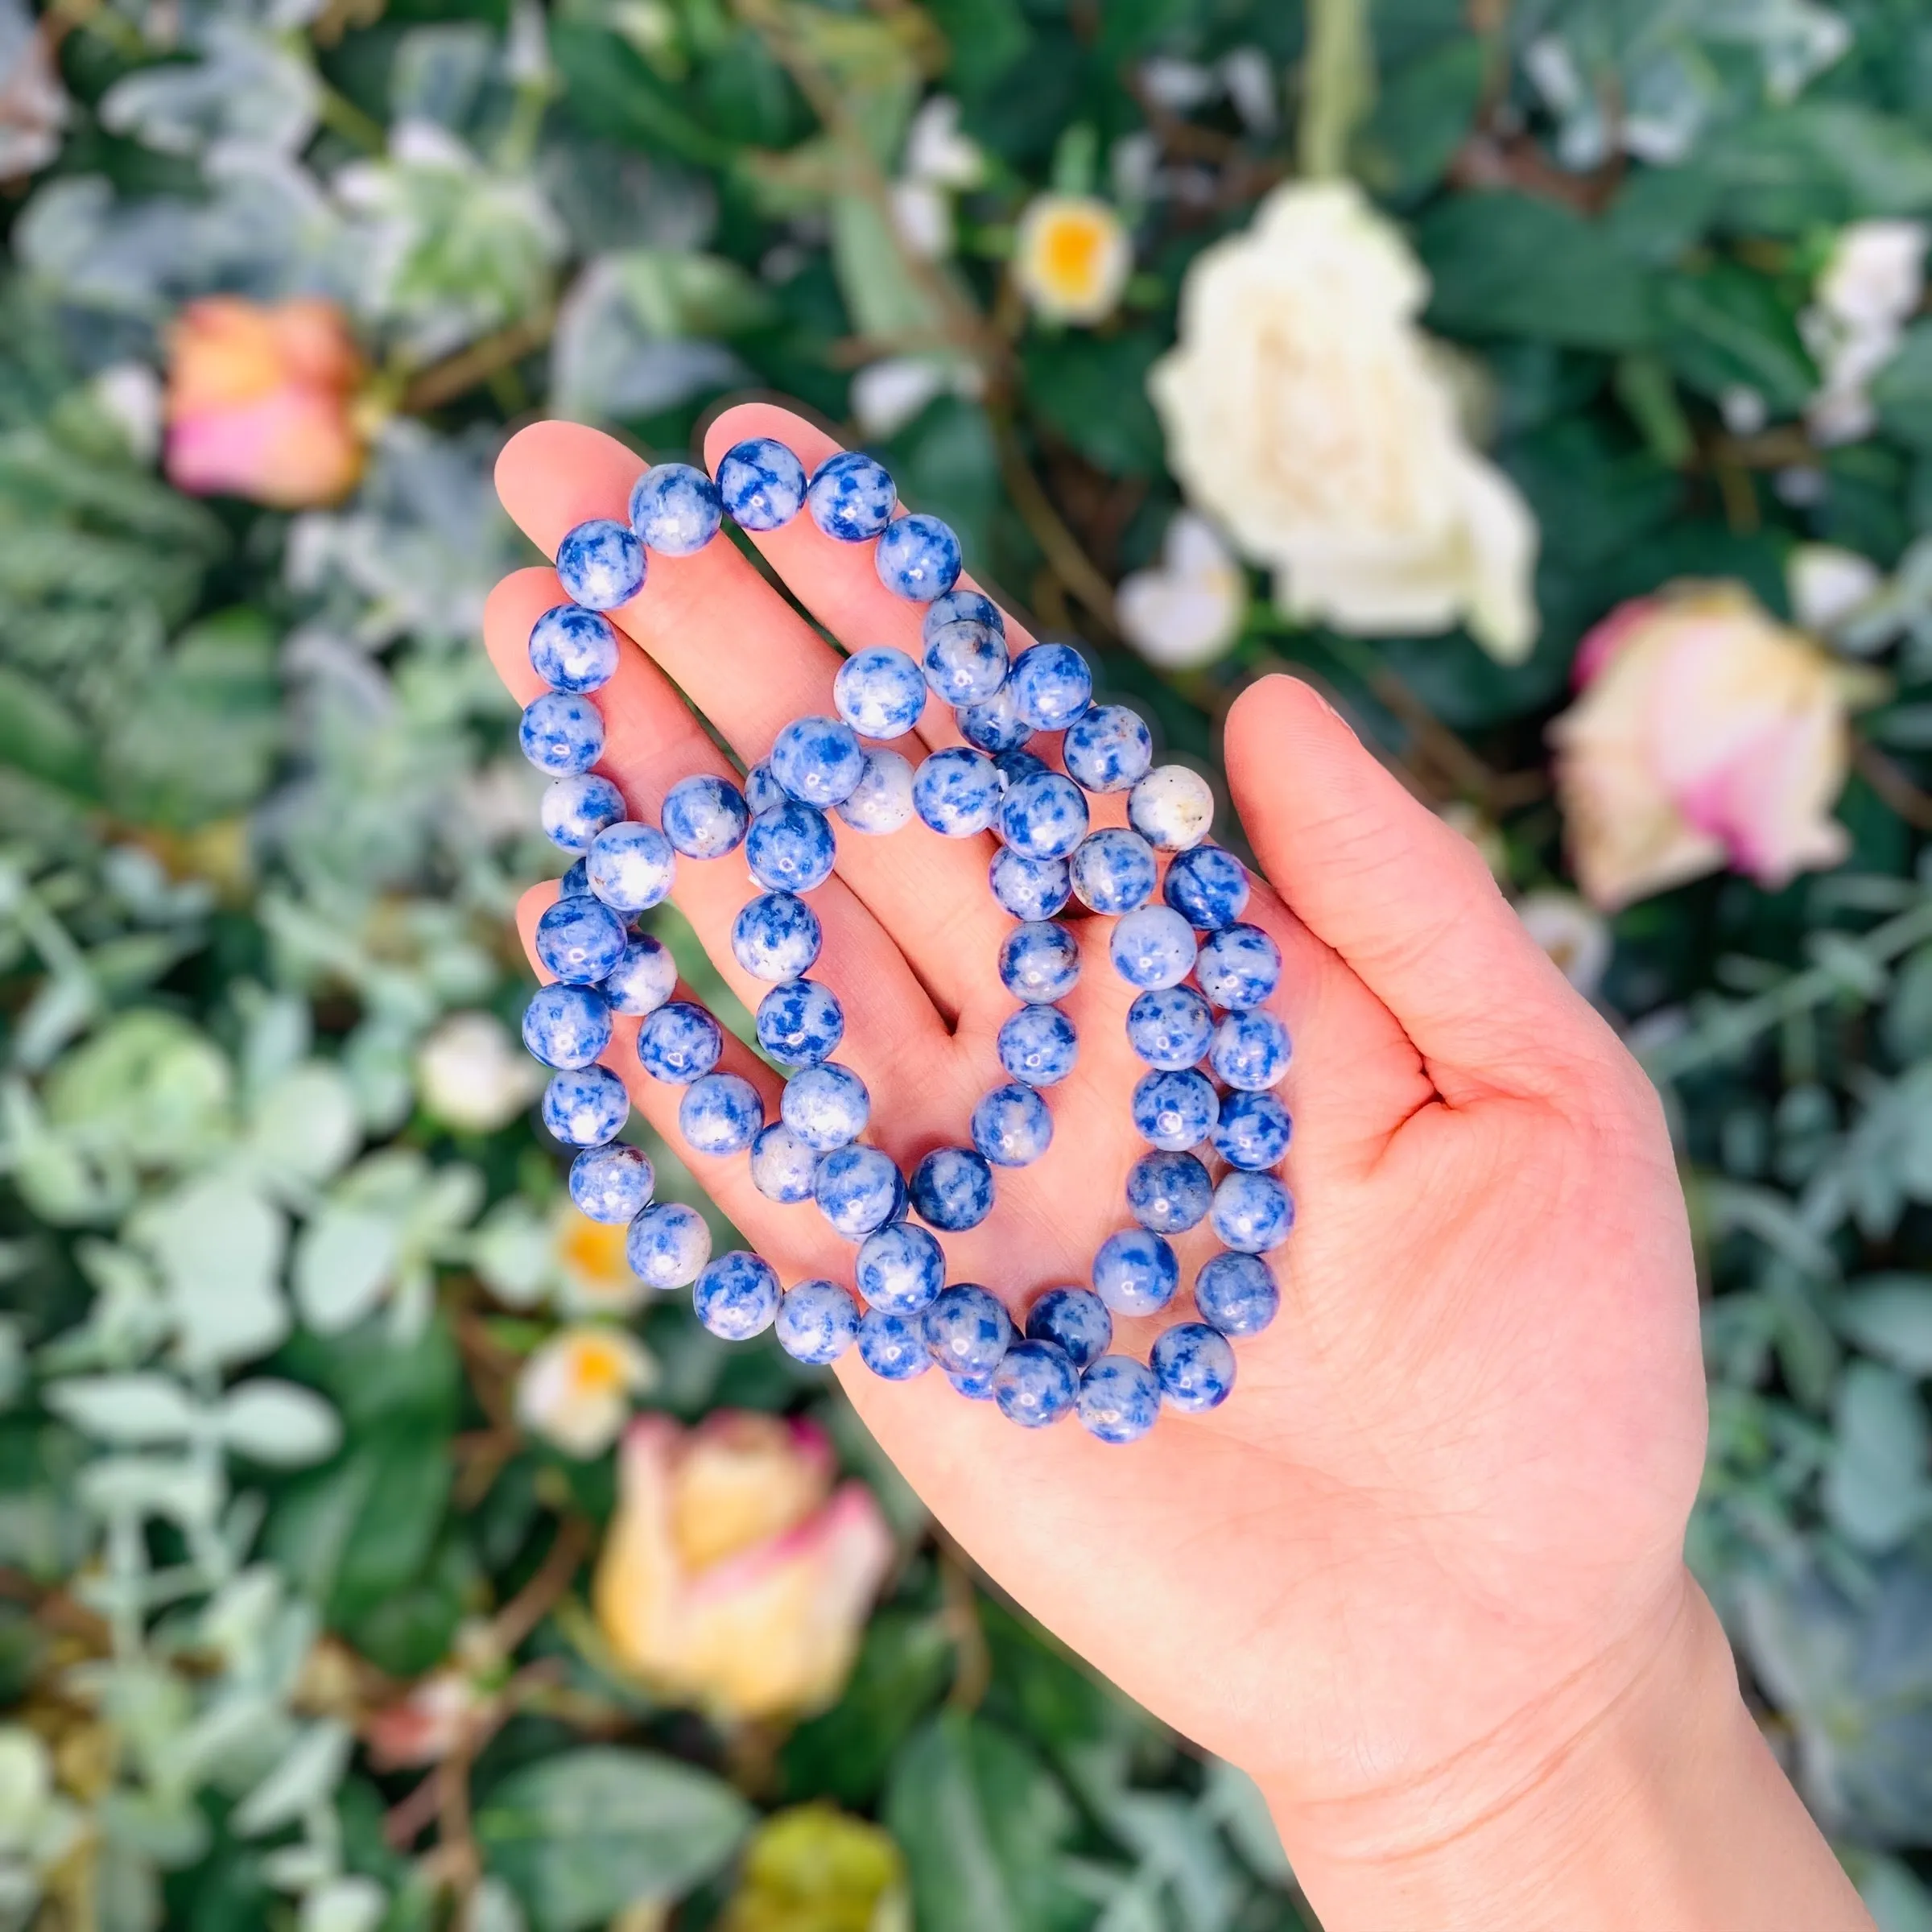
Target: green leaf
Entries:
(39, 736)
(1818, 162)
(1422, 114)
(123, 1408)
(1092, 395)
(986, 37)
(1890, 1316)
(902, 1666)
(218, 1245)
(280, 1423)
(1875, 1488)
(1728, 327)
(1902, 391)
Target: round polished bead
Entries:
(790, 847)
(1038, 1045)
(761, 483)
(630, 866)
(1113, 871)
(892, 1346)
(721, 1113)
(997, 725)
(611, 1183)
(1119, 1399)
(800, 1023)
(858, 1190)
(975, 1388)
(817, 1322)
(782, 1167)
(826, 1105)
(1194, 1365)
(1108, 748)
(567, 1027)
(601, 564)
(1135, 1272)
(918, 558)
(964, 663)
(1252, 1212)
(880, 692)
(586, 1107)
(1043, 816)
(1171, 1028)
(1029, 889)
(1039, 962)
(1207, 887)
(572, 649)
(1011, 1126)
(679, 1042)
(1239, 967)
(1152, 946)
(1251, 1050)
(675, 509)
(576, 881)
(705, 817)
(1176, 1111)
(668, 1245)
(1034, 1384)
(1253, 1131)
(1075, 1321)
(973, 606)
(851, 496)
(736, 1296)
(1017, 764)
(1169, 1193)
(644, 977)
(951, 1189)
(1236, 1293)
(580, 940)
(967, 1330)
(901, 1268)
(561, 733)
(817, 760)
(882, 801)
(762, 791)
(1171, 807)
(776, 936)
(1051, 686)
(956, 792)
(574, 810)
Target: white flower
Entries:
(935, 149)
(38, 1826)
(922, 214)
(1573, 933)
(1826, 584)
(1188, 611)
(1311, 418)
(887, 394)
(1865, 294)
(473, 1075)
(574, 1391)
(128, 395)
(33, 105)
(1072, 258)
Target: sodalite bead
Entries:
(1207, 887)
(721, 1113)
(630, 866)
(1113, 871)
(997, 725)
(736, 1296)
(611, 1183)
(1236, 1293)
(1169, 1193)
(1251, 1050)
(1011, 1126)
(566, 1027)
(1051, 686)
(1039, 962)
(1253, 1213)
(902, 1268)
(572, 649)
(826, 1105)
(1108, 748)
(762, 484)
(1171, 1028)
(1034, 1384)
(1194, 1365)
(975, 1388)
(851, 496)
(762, 791)
(1153, 947)
(1135, 1272)
(892, 1346)
(1253, 1131)
(1176, 1111)
(643, 979)
(1043, 816)
(675, 509)
(668, 1245)
(679, 1042)
(575, 882)
(776, 936)
(574, 810)
(561, 733)
(951, 1189)
(790, 847)
(858, 1190)
(964, 663)
(1075, 1321)
(580, 940)
(586, 1108)
(917, 558)
(956, 792)
(1171, 808)
(967, 1330)
(800, 1023)
(782, 1167)
(880, 692)
(1119, 1399)
(1038, 1045)
(705, 817)
(1030, 889)
(1015, 765)
(974, 606)
(882, 801)
(817, 1322)
(601, 564)
(1239, 967)
(817, 760)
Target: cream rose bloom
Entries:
(1308, 416)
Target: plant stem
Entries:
(1338, 85)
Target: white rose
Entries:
(1307, 415)
(1866, 293)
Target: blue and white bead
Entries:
(1043, 817)
(1108, 748)
(1176, 1111)
(705, 817)
(776, 936)
(1238, 967)
(967, 1330)
(1038, 1045)
(580, 940)
(790, 847)
(1253, 1131)
(1170, 1028)
(783, 1167)
(561, 733)
(1039, 962)
(668, 1245)
(762, 791)
(587, 1106)
(576, 881)
(644, 977)
(825, 1106)
(1136, 1272)
(572, 649)
(964, 663)
(817, 760)
(859, 1190)
(918, 558)
(1195, 1367)
(972, 606)
(1153, 947)
(601, 564)
(680, 1042)
(1017, 764)
(956, 792)
(675, 509)
(816, 1322)
(1171, 808)
(851, 496)
(630, 866)
(1113, 871)
(1075, 1321)
(1011, 1126)
(736, 1295)
(900, 1269)
(1237, 1293)
(880, 692)
(574, 810)
(1251, 1050)
(1051, 686)
(951, 1189)
(800, 1023)
(1253, 1213)
(611, 1183)
(1034, 1384)
(567, 1027)
(882, 801)
(720, 1114)
(1207, 887)
(1029, 889)
(997, 725)
(1169, 1193)
(761, 484)
(1119, 1400)
(892, 1345)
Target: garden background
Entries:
(309, 1383)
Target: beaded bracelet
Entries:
(1214, 1054)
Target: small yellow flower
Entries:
(574, 1391)
(1072, 258)
(592, 1275)
(813, 1868)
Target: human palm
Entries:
(1437, 1527)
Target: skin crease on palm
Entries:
(1431, 1546)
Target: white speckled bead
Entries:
(1171, 808)
(562, 733)
(601, 564)
(675, 509)
(762, 482)
(1152, 946)
(882, 801)
(782, 1164)
(643, 978)
(880, 692)
(630, 866)
(851, 496)
(668, 1245)
(575, 810)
